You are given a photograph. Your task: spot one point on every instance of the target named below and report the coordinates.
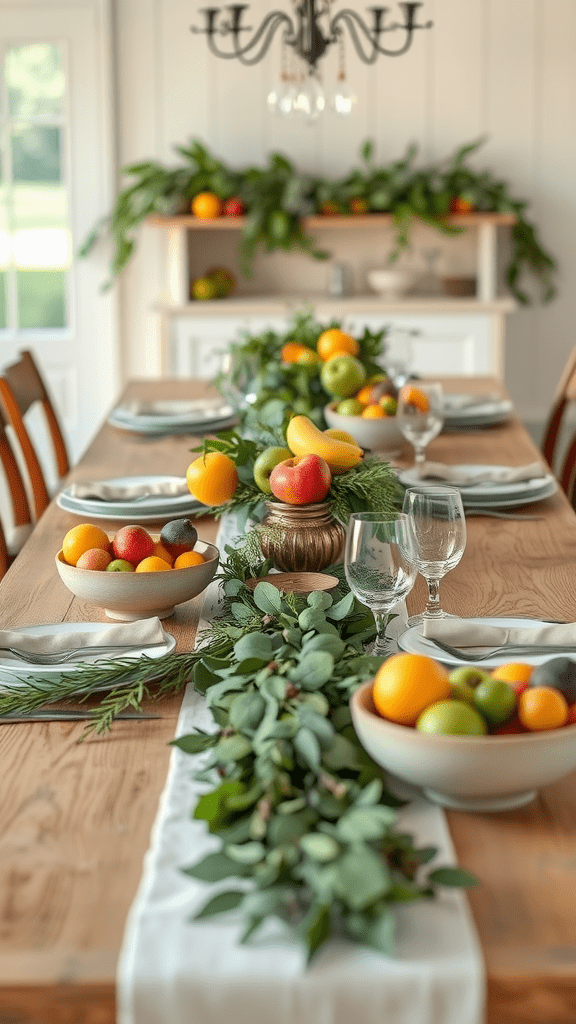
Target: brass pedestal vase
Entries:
(301, 538)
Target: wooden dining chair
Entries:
(564, 396)
(21, 388)
(13, 534)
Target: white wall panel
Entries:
(501, 67)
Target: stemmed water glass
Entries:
(436, 515)
(420, 415)
(380, 566)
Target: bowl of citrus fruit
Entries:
(134, 574)
(369, 415)
(472, 739)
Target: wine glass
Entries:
(380, 566)
(420, 415)
(438, 524)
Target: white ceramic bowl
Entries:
(388, 282)
(376, 435)
(472, 773)
(140, 595)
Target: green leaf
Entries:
(313, 670)
(247, 711)
(363, 877)
(319, 599)
(267, 598)
(246, 853)
(215, 867)
(195, 742)
(342, 609)
(361, 823)
(307, 746)
(254, 645)
(231, 748)
(241, 613)
(319, 846)
(370, 794)
(221, 903)
(315, 928)
(325, 642)
(380, 934)
(453, 877)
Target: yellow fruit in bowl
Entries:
(152, 564)
(341, 435)
(406, 684)
(188, 558)
(365, 395)
(373, 412)
(83, 538)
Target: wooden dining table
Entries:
(75, 819)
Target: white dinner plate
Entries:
(480, 491)
(158, 426)
(135, 514)
(483, 412)
(151, 506)
(412, 642)
(11, 667)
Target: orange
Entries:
(358, 205)
(373, 412)
(212, 478)
(292, 351)
(542, 707)
(413, 396)
(188, 558)
(365, 395)
(206, 205)
(82, 538)
(406, 684)
(335, 342)
(152, 564)
(161, 552)
(516, 673)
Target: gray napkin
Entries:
(493, 475)
(461, 633)
(127, 634)
(102, 491)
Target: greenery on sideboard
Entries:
(277, 196)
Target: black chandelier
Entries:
(308, 34)
(304, 33)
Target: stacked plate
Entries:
(469, 411)
(173, 416)
(490, 495)
(145, 508)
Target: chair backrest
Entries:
(17, 532)
(565, 395)
(22, 387)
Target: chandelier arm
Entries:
(353, 21)
(269, 26)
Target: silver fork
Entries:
(493, 652)
(60, 657)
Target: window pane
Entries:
(3, 302)
(39, 205)
(35, 79)
(36, 153)
(41, 298)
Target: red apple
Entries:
(301, 481)
(132, 543)
(234, 207)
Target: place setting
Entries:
(466, 412)
(142, 499)
(161, 417)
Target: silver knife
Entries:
(69, 716)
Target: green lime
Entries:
(389, 404)
(495, 700)
(349, 407)
(451, 718)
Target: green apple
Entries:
(342, 376)
(349, 407)
(470, 675)
(120, 565)
(265, 463)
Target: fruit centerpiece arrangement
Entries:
(307, 480)
(299, 371)
(416, 691)
(132, 548)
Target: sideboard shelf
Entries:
(467, 333)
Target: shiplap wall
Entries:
(503, 69)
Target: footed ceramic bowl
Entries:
(390, 282)
(375, 435)
(140, 595)
(471, 773)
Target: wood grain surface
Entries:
(75, 820)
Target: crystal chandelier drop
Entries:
(306, 36)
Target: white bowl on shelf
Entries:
(390, 283)
(140, 595)
(375, 435)
(472, 773)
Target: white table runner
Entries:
(174, 972)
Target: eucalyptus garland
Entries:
(299, 807)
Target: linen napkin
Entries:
(127, 634)
(99, 490)
(203, 408)
(462, 633)
(493, 475)
(454, 402)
